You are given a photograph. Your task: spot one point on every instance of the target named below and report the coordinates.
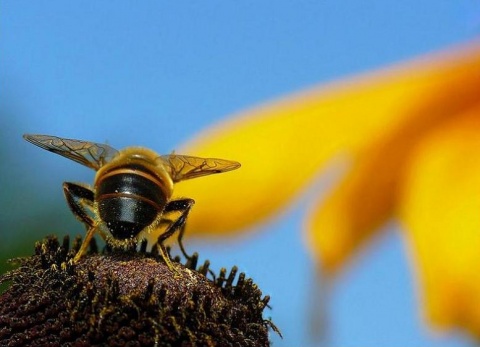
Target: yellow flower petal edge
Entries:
(440, 207)
(283, 145)
(368, 195)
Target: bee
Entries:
(132, 191)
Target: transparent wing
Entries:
(183, 167)
(90, 154)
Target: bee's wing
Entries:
(183, 167)
(90, 154)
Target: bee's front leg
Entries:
(80, 199)
(183, 206)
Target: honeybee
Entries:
(132, 190)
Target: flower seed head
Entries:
(126, 299)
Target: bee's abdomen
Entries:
(128, 202)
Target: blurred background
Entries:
(154, 73)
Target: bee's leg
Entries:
(180, 241)
(78, 198)
(183, 205)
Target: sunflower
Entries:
(409, 136)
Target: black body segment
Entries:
(132, 185)
(128, 202)
(126, 217)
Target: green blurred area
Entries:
(28, 212)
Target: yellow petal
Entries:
(368, 195)
(355, 209)
(283, 145)
(441, 211)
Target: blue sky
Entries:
(154, 73)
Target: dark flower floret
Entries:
(126, 299)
